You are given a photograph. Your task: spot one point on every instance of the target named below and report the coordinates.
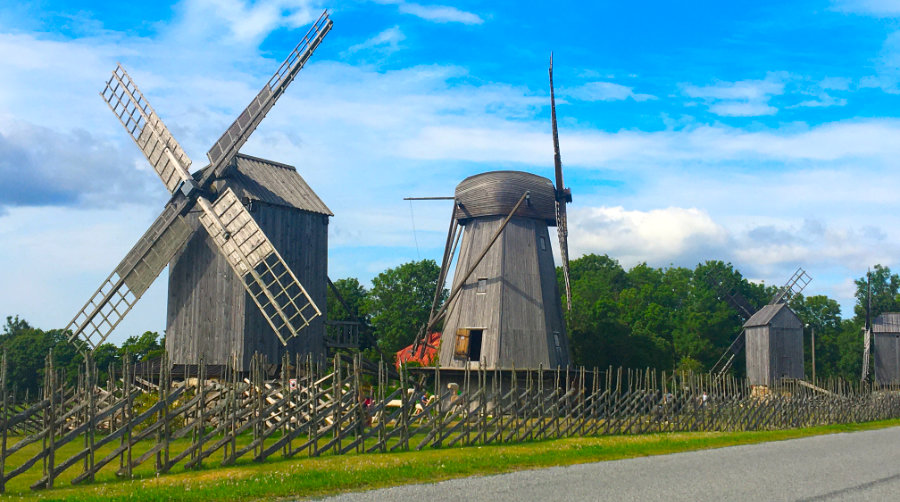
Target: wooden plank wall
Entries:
(887, 358)
(210, 313)
(520, 309)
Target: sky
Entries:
(764, 134)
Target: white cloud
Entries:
(249, 21)
(742, 98)
(388, 41)
(604, 91)
(657, 236)
(885, 8)
(439, 13)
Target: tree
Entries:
(400, 301)
(143, 348)
(885, 288)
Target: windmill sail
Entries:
(236, 135)
(145, 127)
(867, 330)
(131, 278)
(563, 197)
(272, 285)
(267, 278)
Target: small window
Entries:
(482, 286)
(558, 348)
(461, 350)
(543, 243)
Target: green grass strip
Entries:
(308, 477)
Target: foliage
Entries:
(400, 301)
(885, 288)
(143, 348)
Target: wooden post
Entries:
(382, 397)
(5, 418)
(337, 394)
(201, 419)
(90, 378)
(50, 421)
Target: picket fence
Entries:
(350, 405)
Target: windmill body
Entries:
(507, 313)
(774, 345)
(210, 203)
(210, 314)
(886, 331)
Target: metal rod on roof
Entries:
(429, 198)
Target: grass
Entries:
(308, 477)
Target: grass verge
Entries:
(308, 477)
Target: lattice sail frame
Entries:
(145, 127)
(267, 278)
(281, 298)
(236, 134)
(127, 283)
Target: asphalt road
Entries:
(850, 466)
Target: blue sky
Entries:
(760, 133)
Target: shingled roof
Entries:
(764, 315)
(272, 183)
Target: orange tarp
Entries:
(424, 358)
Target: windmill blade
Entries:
(236, 135)
(128, 282)
(146, 129)
(794, 286)
(563, 197)
(274, 288)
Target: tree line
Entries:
(671, 318)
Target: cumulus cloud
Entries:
(386, 42)
(658, 236)
(604, 91)
(249, 21)
(439, 13)
(744, 98)
(43, 167)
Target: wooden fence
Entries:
(132, 420)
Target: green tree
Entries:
(885, 288)
(144, 347)
(400, 301)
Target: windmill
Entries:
(202, 200)
(504, 307)
(765, 358)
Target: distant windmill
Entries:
(504, 308)
(208, 199)
(775, 347)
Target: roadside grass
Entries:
(310, 477)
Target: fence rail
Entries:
(311, 409)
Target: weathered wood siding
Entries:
(774, 347)
(519, 308)
(757, 353)
(887, 358)
(210, 314)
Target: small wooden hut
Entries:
(210, 315)
(508, 313)
(886, 331)
(774, 345)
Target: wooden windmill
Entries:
(214, 198)
(772, 336)
(504, 308)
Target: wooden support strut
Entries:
(471, 270)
